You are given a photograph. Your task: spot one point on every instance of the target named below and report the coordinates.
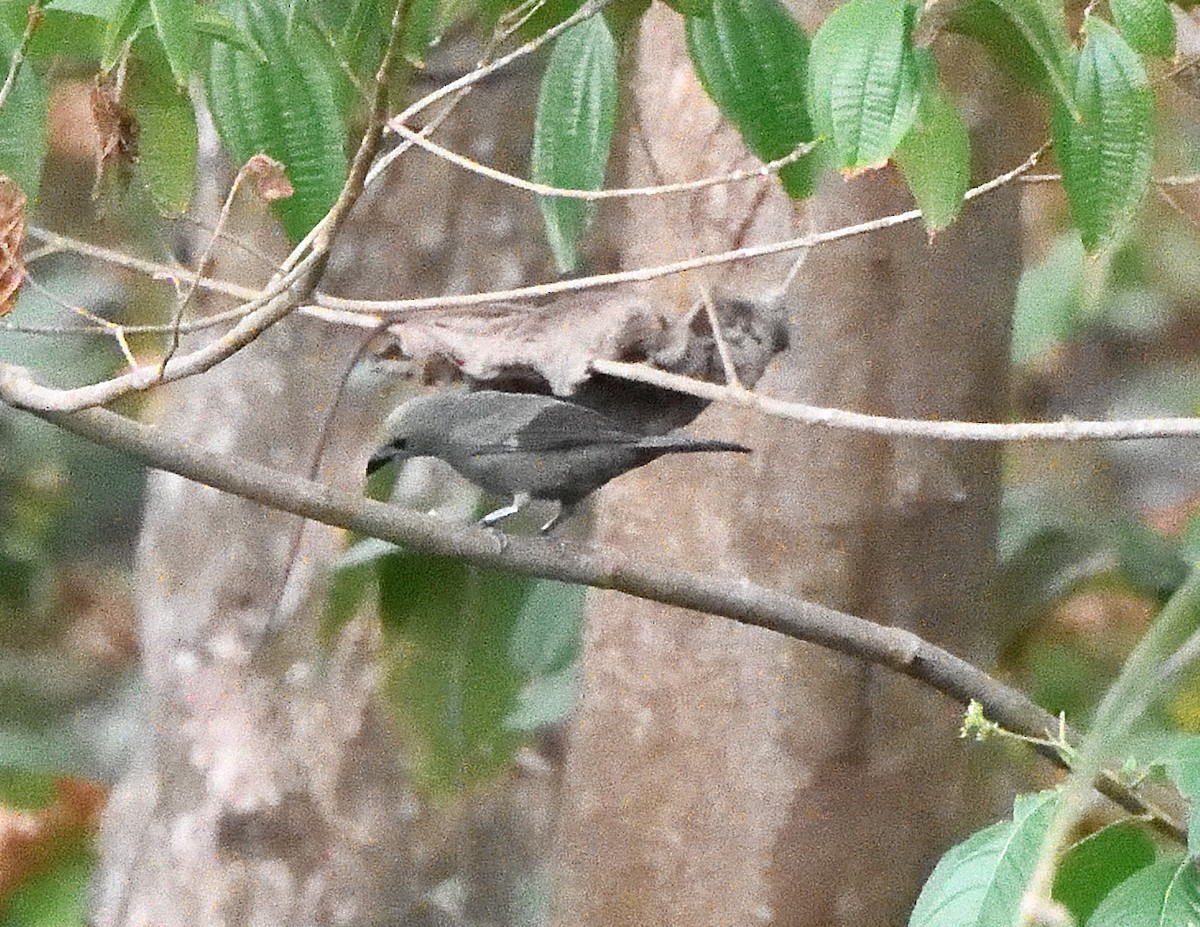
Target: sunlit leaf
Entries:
(1164, 894)
(863, 81)
(174, 21)
(23, 132)
(1147, 25)
(168, 139)
(751, 56)
(982, 880)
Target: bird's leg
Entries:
(564, 511)
(520, 500)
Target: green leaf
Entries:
(476, 660)
(1105, 153)
(863, 81)
(1049, 307)
(419, 30)
(752, 58)
(1162, 895)
(168, 139)
(576, 114)
(61, 34)
(1027, 38)
(289, 107)
(23, 131)
(222, 29)
(174, 21)
(128, 18)
(1092, 868)
(1147, 25)
(935, 155)
(981, 881)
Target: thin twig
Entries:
(153, 269)
(18, 55)
(763, 172)
(205, 258)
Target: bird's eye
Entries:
(399, 443)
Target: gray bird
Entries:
(526, 446)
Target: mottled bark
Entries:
(722, 775)
(271, 789)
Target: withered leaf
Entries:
(12, 231)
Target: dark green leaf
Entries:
(1095, 866)
(981, 881)
(1105, 153)
(863, 81)
(167, 135)
(174, 21)
(1028, 38)
(1147, 25)
(752, 58)
(576, 114)
(23, 132)
(935, 155)
(290, 108)
(1162, 895)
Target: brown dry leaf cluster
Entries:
(270, 178)
(12, 231)
(116, 130)
(552, 346)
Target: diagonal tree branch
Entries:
(726, 596)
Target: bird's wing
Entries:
(549, 425)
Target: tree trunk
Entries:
(719, 774)
(272, 788)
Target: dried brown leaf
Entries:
(270, 178)
(116, 135)
(12, 231)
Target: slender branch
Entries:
(763, 172)
(1065, 431)
(152, 269)
(18, 55)
(726, 596)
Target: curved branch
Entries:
(602, 568)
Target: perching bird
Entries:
(525, 445)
